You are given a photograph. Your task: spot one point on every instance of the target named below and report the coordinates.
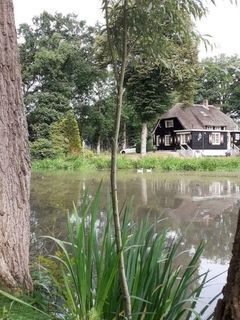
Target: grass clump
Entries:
(85, 270)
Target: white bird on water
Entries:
(140, 170)
(149, 170)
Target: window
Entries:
(204, 114)
(215, 188)
(217, 128)
(167, 140)
(183, 139)
(209, 127)
(216, 138)
(168, 123)
(237, 136)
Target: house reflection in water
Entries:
(199, 204)
(194, 207)
(203, 203)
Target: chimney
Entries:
(205, 103)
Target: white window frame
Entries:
(237, 136)
(168, 123)
(216, 138)
(183, 138)
(167, 140)
(209, 127)
(215, 188)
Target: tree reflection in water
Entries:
(194, 207)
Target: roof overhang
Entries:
(155, 128)
(205, 130)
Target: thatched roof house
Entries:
(199, 116)
(199, 127)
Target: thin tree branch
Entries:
(120, 81)
(110, 42)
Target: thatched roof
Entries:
(198, 116)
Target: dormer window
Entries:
(168, 123)
(204, 113)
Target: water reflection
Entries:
(194, 207)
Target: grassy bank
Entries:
(132, 162)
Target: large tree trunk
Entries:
(14, 161)
(144, 138)
(98, 145)
(228, 308)
(124, 144)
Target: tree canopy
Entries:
(219, 82)
(57, 67)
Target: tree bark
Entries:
(144, 138)
(124, 144)
(228, 308)
(14, 161)
(98, 145)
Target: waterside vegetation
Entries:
(81, 280)
(153, 161)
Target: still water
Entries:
(196, 207)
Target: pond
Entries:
(196, 207)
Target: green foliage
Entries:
(88, 277)
(152, 29)
(71, 132)
(219, 82)
(147, 89)
(96, 121)
(133, 161)
(160, 51)
(57, 68)
(64, 138)
(152, 88)
(5, 314)
(65, 135)
(44, 148)
(20, 308)
(57, 136)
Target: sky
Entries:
(222, 22)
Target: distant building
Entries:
(197, 130)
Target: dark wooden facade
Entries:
(170, 134)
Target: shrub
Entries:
(71, 133)
(65, 136)
(57, 136)
(43, 148)
(87, 153)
